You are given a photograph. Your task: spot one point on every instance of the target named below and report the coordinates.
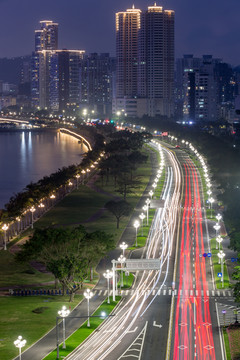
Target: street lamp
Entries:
(19, 343)
(136, 225)
(145, 208)
(151, 193)
(83, 172)
(219, 239)
(217, 227)
(123, 246)
(32, 209)
(148, 203)
(121, 259)
(221, 255)
(211, 200)
(108, 275)
(219, 217)
(142, 217)
(88, 295)
(64, 313)
(77, 177)
(5, 228)
(209, 192)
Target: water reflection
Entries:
(28, 156)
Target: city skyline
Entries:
(199, 28)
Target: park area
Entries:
(33, 316)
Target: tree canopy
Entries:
(68, 253)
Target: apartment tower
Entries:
(145, 62)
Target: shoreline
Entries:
(42, 130)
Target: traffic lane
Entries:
(153, 340)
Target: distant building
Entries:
(145, 62)
(205, 88)
(55, 73)
(97, 82)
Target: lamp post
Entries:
(209, 192)
(142, 217)
(32, 209)
(219, 217)
(154, 185)
(123, 246)
(217, 227)
(19, 343)
(221, 255)
(219, 239)
(83, 172)
(5, 228)
(18, 223)
(145, 208)
(136, 225)
(77, 177)
(151, 193)
(121, 259)
(148, 204)
(64, 313)
(108, 275)
(211, 200)
(88, 295)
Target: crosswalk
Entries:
(169, 292)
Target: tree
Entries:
(119, 209)
(67, 252)
(127, 184)
(236, 287)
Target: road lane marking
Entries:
(155, 324)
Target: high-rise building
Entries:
(128, 24)
(145, 62)
(96, 82)
(156, 60)
(47, 37)
(69, 78)
(55, 73)
(204, 88)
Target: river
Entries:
(27, 156)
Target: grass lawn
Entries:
(234, 341)
(75, 208)
(17, 318)
(127, 280)
(141, 240)
(217, 267)
(14, 274)
(83, 332)
(227, 346)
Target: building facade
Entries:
(145, 62)
(55, 80)
(96, 72)
(205, 88)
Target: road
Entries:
(195, 327)
(170, 313)
(135, 328)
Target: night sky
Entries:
(202, 27)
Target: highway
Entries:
(135, 328)
(171, 313)
(195, 330)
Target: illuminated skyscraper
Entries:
(127, 28)
(156, 60)
(55, 73)
(145, 62)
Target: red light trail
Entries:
(193, 329)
